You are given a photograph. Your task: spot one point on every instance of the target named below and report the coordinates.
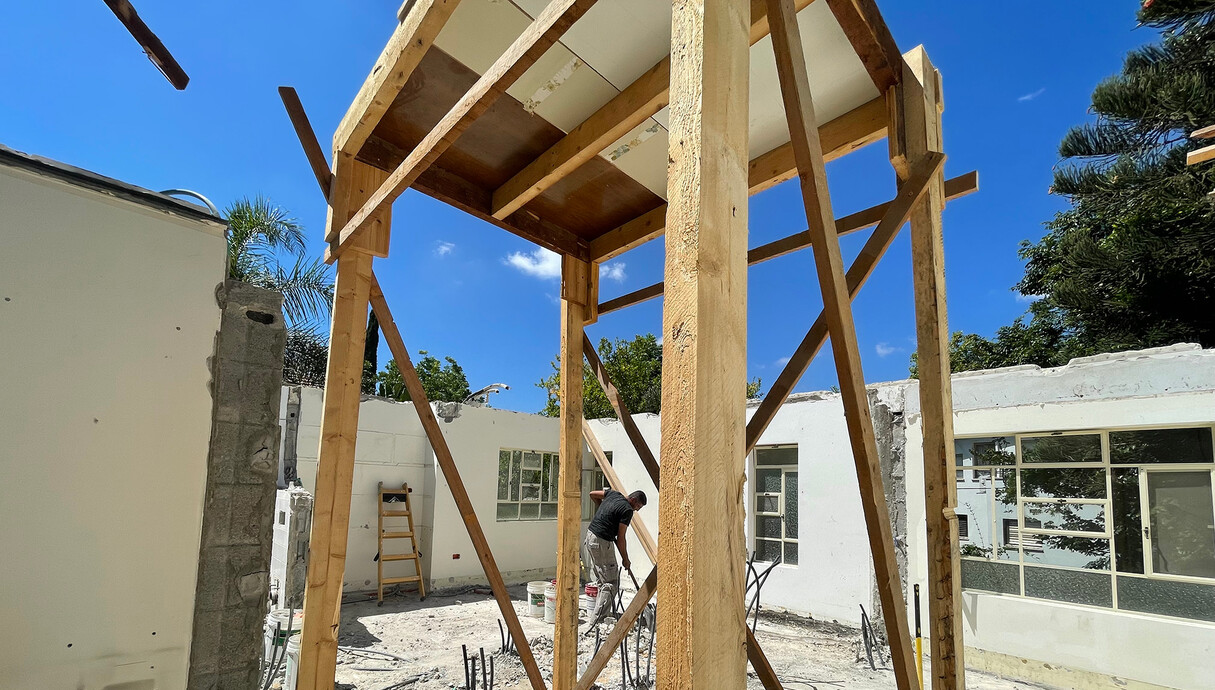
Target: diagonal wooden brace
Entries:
(622, 410)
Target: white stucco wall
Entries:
(109, 317)
(1170, 387)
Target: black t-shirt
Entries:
(614, 511)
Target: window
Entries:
(527, 485)
(776, 504)
(592, 480)
(1120, 519)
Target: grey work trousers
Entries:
(602, 556)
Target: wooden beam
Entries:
(451, 473)
(954, 188)
(612, 643)
(307, 137)
(409, 43)
(897, 213)
(1201, 155)
(922, 119)
(556, 18)
(870, 38)
(152, 47)
(846, 133)
(701, 638)
(575, 295)
(622, 411)
(799, 112)
(634, 105)
(1207, 132)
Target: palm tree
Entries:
(259, 235)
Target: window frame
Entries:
(780, 496)
(516, 468)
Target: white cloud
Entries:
(1031, 96)
(886, 349)
(782, 361)
(443, 248)
(1027, 299)
(540, 264)
(613, 271)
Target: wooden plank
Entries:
(334, 474)
(634, 105)
(451, 474)
(921, 104)
(1202, 155)
(575, 295)
(700, 635)
(846, 133)
(409, 42)
(898, 212)
(152, 47)
(622, 410)
(954, 188)
(1207, 132)
(307, 137)
(556, 18)
(799, 112)
(870, 38)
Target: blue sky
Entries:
(75, 87)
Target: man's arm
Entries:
(622, 545)
(597, 497)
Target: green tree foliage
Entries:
(442, 382)
(1132, 263)
(634, 366)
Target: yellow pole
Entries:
(919, 641)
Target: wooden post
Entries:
(701, 640)
(799, 111)
(920, 133)
(575, 295)
(353, 183)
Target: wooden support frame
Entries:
(799, 111)
(307, 137)
(151, 44)
(451, 473)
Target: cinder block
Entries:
(252, 512)
(217, 517)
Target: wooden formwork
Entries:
(427, 120)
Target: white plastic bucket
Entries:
(550, 603)
(586, 603)
(293, 663)
(277, 620)
(535, 598)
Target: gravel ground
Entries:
(427, 637)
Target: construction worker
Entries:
(613, 513)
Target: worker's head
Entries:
(637, 500)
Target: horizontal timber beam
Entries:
(531, 45)
(640, 100)
(956, 187)
(858, 127)
(870, 38)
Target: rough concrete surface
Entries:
(805, 653)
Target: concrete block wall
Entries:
(242, 468)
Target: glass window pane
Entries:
(548, 510)
(517, 457)
(531, 461)
(767, 504)
(991, 576)
(1072, 482)
(1073, 517)
(767, 526)
(531, 477)
(1182, 523)
(776, 456)
(1128, 526)
(508, 511)
(790, 507)
(1075, 552)
(1072, 586)
(1161, 445)
(545, 478)
(767, 481)
(530, 493)
(791, 553)
(991, 450)
(503, 475)
(1081, 448)
(529, 511)
(767, 550)
(1167, 598)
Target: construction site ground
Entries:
(427, 637)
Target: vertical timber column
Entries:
(575, 295)
(921, 124)
(701, 642)
(353, 183)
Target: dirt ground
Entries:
(427, 636)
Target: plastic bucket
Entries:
(535, 598)
(586, 603)
(592, 591)
(277, 620)
(293, 663)
(550, 604)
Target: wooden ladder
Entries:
(390, 500)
